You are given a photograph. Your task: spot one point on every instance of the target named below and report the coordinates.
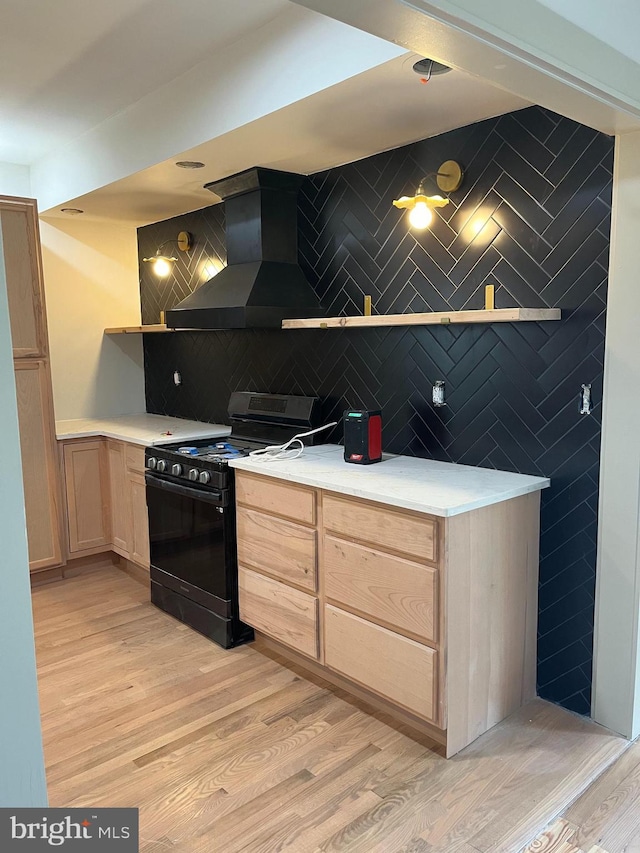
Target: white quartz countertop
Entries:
(423, 485)
(144, 429)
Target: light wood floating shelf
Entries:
(128, 330)
(443, 318)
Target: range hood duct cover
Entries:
(262, 283)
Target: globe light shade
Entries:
(420, 216)
(162, 267)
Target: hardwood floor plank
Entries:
(585, 806)
(232, 752)
(616, 821)
(554, 838)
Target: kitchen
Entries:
(174, 347)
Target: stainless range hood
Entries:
(262, 283)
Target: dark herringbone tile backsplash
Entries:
(533, 218)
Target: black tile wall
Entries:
(533, 218)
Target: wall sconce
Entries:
(162, 264)
(421, 206)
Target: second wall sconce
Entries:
(162, 264)
(449, 178)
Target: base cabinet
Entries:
(433, 617)
(86, 488)
(139, 550)
(106, 503)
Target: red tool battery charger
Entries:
(362, 436)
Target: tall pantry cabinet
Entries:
(23, 266)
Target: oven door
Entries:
(192, 539)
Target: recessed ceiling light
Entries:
(72, 211)
(189, 164)
(430, 68)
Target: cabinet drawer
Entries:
(296, 502)
(276, 546)
(135, 458)
(283, 613)
(390, 589)
(395, 667)
(415, 535)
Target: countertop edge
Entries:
(442, 512)
(214, 432)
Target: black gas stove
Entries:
(190, 498)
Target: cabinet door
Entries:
(139, 519)
(120, 498)
(39, 469)
(20, 240)
(86, 484)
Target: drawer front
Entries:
(279, 547)
(283, 613)
(382, 526)
(401, 670)
(135, 458)
(398, 592)
(271, 495)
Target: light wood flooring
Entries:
(230, 752)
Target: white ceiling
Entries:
(372, 112)
(69, 67)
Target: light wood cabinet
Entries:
(39, 464)
(21, 247)
(391, 590)
(27, 316)
(277, 498)
(106, 499)
(279, 610)
(86, 489)
(381, 660)
(433, 617)
(409, 533)
(119, 498)
(278, 547)
(276, 557)
(139, 549)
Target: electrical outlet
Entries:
(585, 400)
(437, 393)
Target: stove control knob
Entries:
(152, 462)
(193, 474)
(204, 477)
(176, 469)
(161, 465)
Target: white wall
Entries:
(22, 779)
(15, 180)
(616, 689)
(91, 283)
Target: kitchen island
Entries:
(412, 583)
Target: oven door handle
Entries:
(217, 498)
